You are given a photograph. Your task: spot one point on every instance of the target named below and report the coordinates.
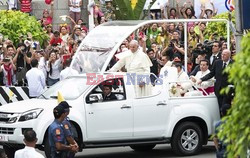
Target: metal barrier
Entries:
(13, 94)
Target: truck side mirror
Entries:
(93, 98)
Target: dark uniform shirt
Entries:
(67, 127)
(56, 134)
(68, 133)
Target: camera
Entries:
(23, 50)
(6, 60)
(207, 46)
(39, 51)
(172, 42)
(27, 43)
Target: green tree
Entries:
(236, 129)
(218, 27)
(13, 24)
(125, 11)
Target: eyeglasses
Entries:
(215, 46)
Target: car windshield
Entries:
(97, 47)
(70, 89)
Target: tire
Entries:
(9, 151)
(187, 139)
(47, 147)
(142, 147)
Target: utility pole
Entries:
(238, 19)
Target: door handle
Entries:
(125, 106)
(161, 104)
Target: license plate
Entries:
(3, 138)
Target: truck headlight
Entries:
(29, 115)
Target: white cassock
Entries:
(183, 76)
(204, 84)
(138, 63)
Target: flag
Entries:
(133, 4)
(60, 97)
(11, 95)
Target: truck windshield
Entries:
(97, 47)
(70, 88)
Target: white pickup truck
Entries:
(141, 123)
(185, 122)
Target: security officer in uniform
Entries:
(57, 140)
(67, 129)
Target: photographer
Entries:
(54, 67)
(40, 55)
(174, 49)
(8, 69)
(22, 60)
(10, 50)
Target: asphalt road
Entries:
(160, 151)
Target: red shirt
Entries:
(55, 41)
(26, 6)
(47, 21)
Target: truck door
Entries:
(112, 116)
(151, 114)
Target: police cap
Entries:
(65, 105)
(58, 111)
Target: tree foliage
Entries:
(219, 27)
(13, 24)
(125, 11)
(236, 129)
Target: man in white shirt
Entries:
(166, 63)
(68, 71)
(29, 149)
(36, 80)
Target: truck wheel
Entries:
(10, 151)
(47, 147)
(142, 147)
(187, 139)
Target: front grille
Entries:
(4, 130)
(4, 119)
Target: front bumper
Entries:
(13, 133)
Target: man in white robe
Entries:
(204, 64)
(182, 84)
(166, 64)
(137, 62)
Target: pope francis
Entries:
(137, 62)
